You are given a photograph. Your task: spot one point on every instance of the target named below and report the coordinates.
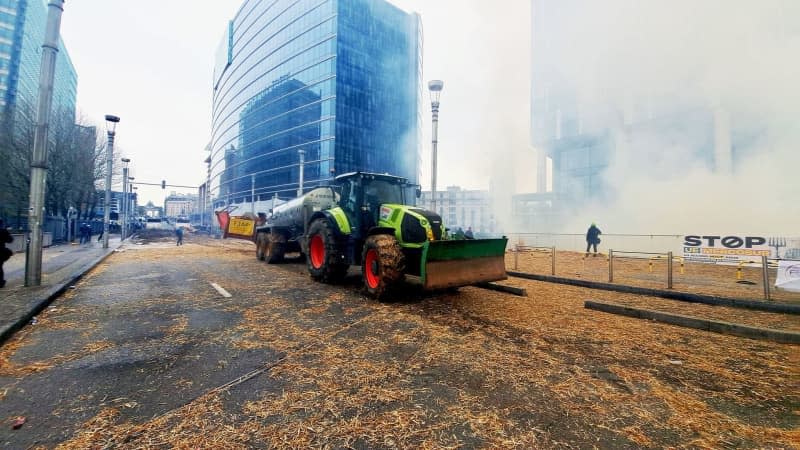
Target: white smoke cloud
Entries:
(671, 68)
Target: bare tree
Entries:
(76, 163)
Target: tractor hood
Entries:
(413, 225)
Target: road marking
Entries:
(221, 290)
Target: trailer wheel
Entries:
(325, 261)
(262, 241)
(383, 264)
(276, 248)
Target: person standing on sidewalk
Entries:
(592, 238)
(85, 233)
(5, 253)
(179, 234)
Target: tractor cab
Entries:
(362, 195)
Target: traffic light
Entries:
(163, 184)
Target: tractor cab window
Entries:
(349, 197)
(377, 192)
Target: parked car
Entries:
(154, 223)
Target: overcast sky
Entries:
(150, 63)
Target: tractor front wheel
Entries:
(383, 264)
(325, 259)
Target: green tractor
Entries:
(365, 219)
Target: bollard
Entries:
(610, 266)
(681, 265)
(553, 269)
(739, 271)
(650, 265)
(669, 270)
(765, 276)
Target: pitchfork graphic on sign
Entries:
(777, 242)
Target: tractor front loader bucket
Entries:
(462, 262)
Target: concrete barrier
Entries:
(18, 246)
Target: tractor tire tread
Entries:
(262, 240)
(276, 248)
(392, 264)
(333, 270)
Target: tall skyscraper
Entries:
(338, 80)
(22, 30)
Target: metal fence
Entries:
(577, 241)
(551, 252)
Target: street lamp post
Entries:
(129, 212)
(206, 196)
(124, 202)
(253, 194)
(133, 195)
(70, 213)
(302, 154)
(111, 122)
(36, 213)
(435, 86)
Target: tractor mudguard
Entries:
(336, 218)
(455, 263)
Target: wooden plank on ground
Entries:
(499, 287)
(716, 326)
(768, 306)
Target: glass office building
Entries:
(22, 30)
(336, 82)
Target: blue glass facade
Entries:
(338, 80)
(22, 29)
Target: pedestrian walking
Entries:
(100, 236)
(85, 233)
(5, 253)
(592, 238)
(179, 234)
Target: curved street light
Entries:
(435, 87)
(111, 127)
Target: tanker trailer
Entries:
(285, 228)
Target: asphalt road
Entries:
(145, 352)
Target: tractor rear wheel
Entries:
(262, 241)
(276, 248)
(325, 259)
(383, 264)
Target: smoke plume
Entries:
(672, 80)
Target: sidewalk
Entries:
(62, 266)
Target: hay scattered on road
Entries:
(453, 370)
